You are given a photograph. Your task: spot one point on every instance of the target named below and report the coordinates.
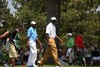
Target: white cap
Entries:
(33, 22)
(53, 18)
(70, 34)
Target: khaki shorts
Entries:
(12, 51)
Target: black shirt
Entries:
(13, 34)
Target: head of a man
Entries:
(20, 27)
(33, 23)
(53, 20)
(81, 33)
(69, 35)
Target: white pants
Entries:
(69, 51)
(33, 54)
(70, 54)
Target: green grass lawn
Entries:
(53, 66)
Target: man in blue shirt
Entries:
(31, 42)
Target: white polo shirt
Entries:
(51, 30)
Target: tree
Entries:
(54, 10)
(80, 15)
(72, 15)
(3, 11)
(28, 10)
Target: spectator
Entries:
(80, 48)
(87, 53)
(70, 45)
(96, 55)
(14, 41)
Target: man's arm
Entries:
(72, 42)
(27, 45)
(28, 36)
(59, 39)
(5, 34)
(77, 42)
(39, 42)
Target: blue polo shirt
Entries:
(32, 33)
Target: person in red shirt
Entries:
(80, 47)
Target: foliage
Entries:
(31, 10)
(76, 15)
(81, 15)
(9, 20)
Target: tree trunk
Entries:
(54, 10)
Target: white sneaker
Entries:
(34, 65)
(38, 62)
(57, 66)
(6, 65)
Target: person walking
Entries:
(51, 45)
(14, 42)
(80, 47)
(70, 45)
(31, 42)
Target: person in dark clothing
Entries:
(80, 47)
(14, 44)
(96, 55)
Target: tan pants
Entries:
(12, 51)
(51, 51)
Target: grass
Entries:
(53, 66)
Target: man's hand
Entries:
(62, 41)
(48, 44)
(41, 46)
(59, 39)
(78, 49)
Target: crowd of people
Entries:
(79, 53)
(75, 51)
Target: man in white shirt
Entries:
(51, 50)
